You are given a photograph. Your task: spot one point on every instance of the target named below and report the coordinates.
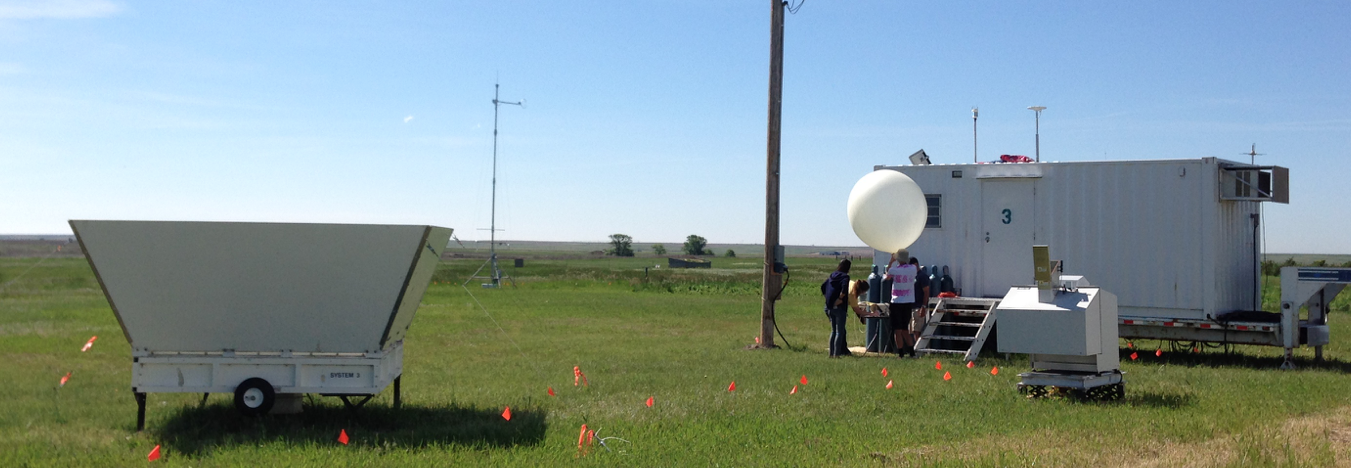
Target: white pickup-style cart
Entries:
(266, 311)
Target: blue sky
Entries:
(645, 118)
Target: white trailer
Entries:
(1177, 240)
(265, 311)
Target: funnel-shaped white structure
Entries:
(208, 306)
(320, 288)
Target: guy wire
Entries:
(25, 271)
(538, 372)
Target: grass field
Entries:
(678, 337)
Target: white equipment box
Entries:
(1070, 336)
(268, 311)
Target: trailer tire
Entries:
(254, 397)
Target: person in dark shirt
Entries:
(835, 290)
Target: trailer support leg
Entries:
(399, 402)
(203, 403)
(354, 406)
(1318, 354)
(140, 411)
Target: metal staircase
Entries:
(957, 325)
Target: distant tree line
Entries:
(621, 245)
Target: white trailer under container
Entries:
(1176, 240)
(266, 311)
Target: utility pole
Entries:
(773, 281)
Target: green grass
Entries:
(676, 335)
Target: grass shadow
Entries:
(1232, 359)
(197, 430)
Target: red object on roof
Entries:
(1014, 158)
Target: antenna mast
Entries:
(975, 147)
(495, 276)
(1253, 154)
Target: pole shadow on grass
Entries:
(196, 430)
(1231, 359)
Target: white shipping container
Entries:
(1172, 238)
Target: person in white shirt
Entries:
(902, 275)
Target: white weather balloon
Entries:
(887, 210)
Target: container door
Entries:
(1006, 222)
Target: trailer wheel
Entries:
(254, 396)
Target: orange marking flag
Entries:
(342, 437)
(938, 365)
(649, 402)
(793, 391)
(154, 454)
(581, 442)
(732, 387)
(1158, 353)
(994, 370)
(65, 379)
(970, 364)
(89, 344)
(506, 413)
(888, 385)
(1135, 356)
(947, 376)
(803, 380)
(576, 375)
(884, 372)
(551, 391)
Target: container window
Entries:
(935, 203)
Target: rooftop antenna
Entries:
(1038, 110)
(1253, 154)
(975, 148)
(495, 276)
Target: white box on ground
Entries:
(1075, 332)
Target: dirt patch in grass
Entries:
(1322, 439)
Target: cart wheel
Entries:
(1116, 391)
(1074, 393)
(254, 397)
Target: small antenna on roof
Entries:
(975, 153)
(1253, 154)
